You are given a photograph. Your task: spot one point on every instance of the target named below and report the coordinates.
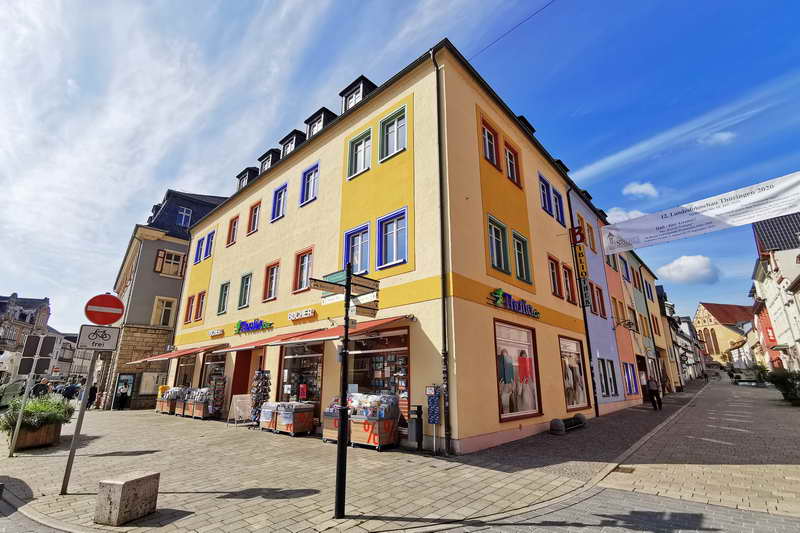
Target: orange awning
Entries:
(337, 332)
(178, 353)
(264, 342)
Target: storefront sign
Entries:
(303, 313)
(253, 325)
(583, 268)
(504, 300)
(768, 199)
(216, 332)
(586, 292)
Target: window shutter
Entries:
(183, 265)
(159, 266)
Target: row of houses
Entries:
(432, 185)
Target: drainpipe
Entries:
(583, 307)
(443, 259)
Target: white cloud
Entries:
(638, 189)
(717, 138)
(690, 269)
(718, 120)
(618, 214)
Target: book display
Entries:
(259, 393)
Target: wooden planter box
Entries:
(294, 422)
(36, 438)
(374, 432)
(330, 429)
(197, 410)
(165, 406)
(180, 408)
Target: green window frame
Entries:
(522, 261)
(224, 292)
(498, 245)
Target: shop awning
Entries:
(781, 347)
(178, 353)
(337, 332)
(264, 342)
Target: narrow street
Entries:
(218, 478)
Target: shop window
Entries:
(392, 239)
(279, 202)
(558, 207)
(521, 260)
(498, 245)
(545, 196)
(555, 277)
(271, 281)
(201, 301)
(575, 384)
(301, 374)
(185, 371)
(187, 317)
(612, 378)
(360, 154)
(244, 290)
(601, 365)
(213, 367)
(302, 270)
(233, 227)
(356, 249)
(631, 385)
(253, 218)
(198, 252)
(309, 184)
(490, 145)
(569, 285)
(224, 291)
(393, 134)
(512, 165)
(517, 371)
(209, 244)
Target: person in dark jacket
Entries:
(92, 396)
(41, 388)
(655, 393)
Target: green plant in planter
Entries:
(780, 379)
(41, 411)
(761, 372)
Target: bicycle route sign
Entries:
(94, 337)
(104, 309)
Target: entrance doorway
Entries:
(641, 366)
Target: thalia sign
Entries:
(502, 299)
(253, 325)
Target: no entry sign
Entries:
(104, 309)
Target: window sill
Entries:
(221, 312)
(493, 163)
(559, 296)
(227, 245)
(243, 306)
(298, 291)
(529, 282)
(392, 264)
(358, 173)
(276, 219)
(515, 182)
(386, 158)
(269, 299)
(307, 201)
(169, 276)
(251, 232)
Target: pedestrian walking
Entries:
(41, 388)
(92, 396)
(705, 377)
(655, 393)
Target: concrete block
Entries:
(126, 498)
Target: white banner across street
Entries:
(768, 199)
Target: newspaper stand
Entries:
(269, 416)
(375, 432)
(298, 420)
(330, 426)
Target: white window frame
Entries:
(501, 263)
(242, 183)
(363, 238)
(364, 138)
(315, 127)
(515, 238)
(222, 303)
(393, 118)
(288, 148)
(157, 315)
(272, 281)
(511, 165)
(309, 184)
(185, 215)
(164, 264)
(487, 133)
(266, 163)
(356, 95)
(249, 277)
(381, 261)
(303, 274)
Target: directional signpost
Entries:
(360, 296)
(102, 310)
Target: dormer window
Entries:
(244, 177)
(291, 141)
(355, 92)
(316, 122)
(242, 183)
(269, 159)
(352, 98)
(288, 147)
(266, 163)
(184, 217)
(315, 127)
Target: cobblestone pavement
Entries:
(610, 510)
(12, 521)
(218, 478)
(735, 447)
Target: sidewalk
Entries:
(218, 478)
(735, 447)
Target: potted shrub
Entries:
(780, 379)
(41, 421)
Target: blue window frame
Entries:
(558, 207)
(309, 184)
(198, 253)
(545, 195)
(209, 244)
(392, 239)
(626, 273)
(356, 248)
(279, 202)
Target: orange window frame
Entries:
(201, 300)
(233, 230)
(187, 317)
(253, 208)
(296, 278)
(265, 297)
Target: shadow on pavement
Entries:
(17, 487)
(248, 494)
(161, 517)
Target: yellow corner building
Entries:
(432, 185)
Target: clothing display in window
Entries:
(516, 371)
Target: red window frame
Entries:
(267, 269)
(569, 282)
(233, 230)
(187, 317)
(250, 228)
(557, 287)
(601, 303)
(201, 300)
(496, 162)
(296, 281)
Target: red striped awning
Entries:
(264, 342)
(337, 332)
(177, 353)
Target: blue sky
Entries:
(105, 105)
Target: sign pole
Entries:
(78, 424)
(341, 443)
(24, 399)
